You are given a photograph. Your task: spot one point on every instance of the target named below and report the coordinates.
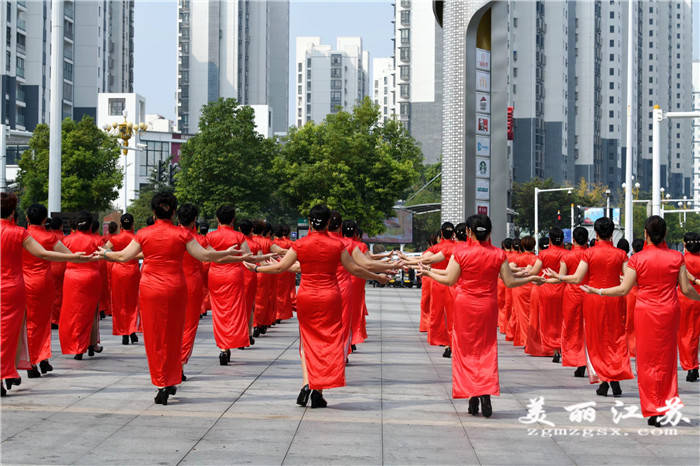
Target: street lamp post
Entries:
(629, 156)
(537, 211)
(124, 131)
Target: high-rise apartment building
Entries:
(696, 133)
(383, 87)
(418, 74)
(327, 79)
(238, 49)
(97, 57)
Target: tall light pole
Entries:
(56, 106)
(124, 131)
(3, 157)
(657, 116)
(629, 159)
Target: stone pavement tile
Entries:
(426, 444)
(525, 451)
(324, 441)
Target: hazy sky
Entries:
(155, 39)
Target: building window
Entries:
(611, 114)
(299, 67)
(611, 128)
(404, 109)
(612, 85)
(611, 99)
(405, 17)
(336, 84)
(651, 33)
(308, 63)
(157, 152)
(336, 59)
(336, 72)
(612, 42)
(405, 36)
(515, 55)
(8, 61)
(405, 71)
(651, 67)
(67, 71)
(299, 78)
(298, 89)
(612, 29)
(405, 53)
(116, 106)
(612, 71)
(515, 72)
(612, 15)
(20, 67)
(404, 91)
(612, 57)
(515, 22)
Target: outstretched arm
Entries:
(352, 267)
(372, 265)
(576, 278)
(686, 287)
(629, 279)
(449, 277)
(277, 267)
(36, 249)
(130, 252)
(511, 281)
(226, 256)
(562, 271)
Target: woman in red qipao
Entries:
(689, 329)
(58, 269)
(512, 257)
(226, 291)
(104, 302)
(347, 297)
(285, 281)
(124, 285)
(201, 238)
(250, 279)
(194, 281)
(630, 304)
(14, 240)
(476, 268)
(163, 291)
(603, 318)
(503, 311)
(573, 344)
(40, 291)
(78, 328)
(550, 296)
(658, 271)
(319, 310)
(522, 295)
(424, 323)
(262, 317)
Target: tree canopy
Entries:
(227, 162)
(351, 163)
(90, 175)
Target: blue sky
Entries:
(155, 39)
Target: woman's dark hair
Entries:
(637, 245)
(592, 242)
(150, 221)
(624, 245)
(83, 221)
(461, 231)
(95, 227)
(127, 221)
(36, 213)
(349, 228)
(226, 214)
(692, 242)
(279, 232)
(432, 240)
(655, 227)
(286, 230)
(528, 243)
(480, 225)
(164, 205)
(8, 204)
(336, 221)
(112, 227)
(544, 243)
(268, 229)
(245, 226)
(447, 230)
(56, 223)
(556, 236)
(517, 245)
(258, 227)
(581, 236)
(186, 214)
(204, 228)
(319, 215)
(605, 227)
(507, 244)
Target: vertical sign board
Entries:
(482, 169)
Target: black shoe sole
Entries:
(486, 408)
(303, 398)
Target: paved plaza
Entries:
(396, 409)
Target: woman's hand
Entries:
(233, 251)
(383, 279)
(590, 289)
(552, 274)
(250, 266)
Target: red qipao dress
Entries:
(424, 304)
(105, 303)
(509, 317)
(82, 288)
(264, 299)
(58, 269)
(163, 299)
(250, 278)
(124, 282)
(657, 316)
(39, 286)
(346, 290)
(12, 298)
(441, 299)
(573, 345)
(521, 301)
(194, 280)
(689, 330)
(551, 295)
(475, 334)
(501, 303)
(604, 316)
(285, 281)
(630, 304)
(227, 293)
(319, 310)
(359, 324)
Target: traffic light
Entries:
(174, 169)
(558, 217)
(161, 172)
(578, 215)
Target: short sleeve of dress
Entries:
(140, 235)
(586, 256)
(23, 234)
(633, 262)
(502, 256)
(185, 235)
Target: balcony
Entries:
(22, 4)
(68, 10)
(20, 72)
(21, 24)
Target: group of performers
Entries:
(182, 275)
(592, 308)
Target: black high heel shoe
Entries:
(125, 339)
(653, 421)
(263, 329)
(603, 389)
(251, 340)
(616, 389)
(78, 357)
(447, 353)
(171, 390)
(317, 400)
(580, 371)
(256, 332)
(161, 397)
(92, 349)
(486, 408)
(692, 375)
(45, 366)
(13, 381)
(223, 360)
(33, 373)
(556, 358)
(134, 338)
(473, 406)
(303, 397)
(184, 377)
(3, 392)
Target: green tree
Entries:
(227, 161)
(90, 177)
(351, 163)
